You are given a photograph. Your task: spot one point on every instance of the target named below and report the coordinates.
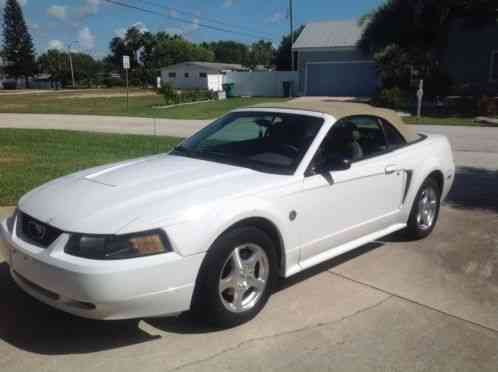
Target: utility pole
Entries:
(71, 63)
(72, 69)
(291, 19)
(126, 67)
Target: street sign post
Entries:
(126, 66)
(420, 98)
(126, 62)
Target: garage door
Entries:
(345, 79)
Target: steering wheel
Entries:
(290, 150)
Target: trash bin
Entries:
(229, 89)
(287, 85)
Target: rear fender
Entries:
(419, 175)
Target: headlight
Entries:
(118, 247)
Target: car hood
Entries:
(161, 188)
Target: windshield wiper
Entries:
(181, 149)
(231, 159)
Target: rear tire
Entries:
(236, 278)
(425, 211)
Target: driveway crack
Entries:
(285, 333)
(407, 299)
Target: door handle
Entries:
(390, 169)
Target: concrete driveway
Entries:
(390, 305)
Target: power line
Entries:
(194, 14)
(187, 21)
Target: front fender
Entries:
(194, 237)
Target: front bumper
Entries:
(122, 289)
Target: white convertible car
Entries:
(260, 193)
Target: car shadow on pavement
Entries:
(326, 266)
(30, 325)
(186, 324)
(474, 188)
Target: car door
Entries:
(342, 205)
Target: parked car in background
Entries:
(262, 192)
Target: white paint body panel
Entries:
(194, 202)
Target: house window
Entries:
(172, 75)
(203, 75)
(187, 75)
(494, 66)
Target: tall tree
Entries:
(151, 51)
(261, 54)
(282, 59)
(421, 24)
(54, 62)
(230, 52)
(417, 31)
(86, 68)
(18, 46)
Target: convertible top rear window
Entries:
(266, 141)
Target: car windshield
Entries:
(265, 141)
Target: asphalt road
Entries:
(390, 305)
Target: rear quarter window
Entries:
(394, 138)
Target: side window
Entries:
(353, 139)
(368, 135)
(172, 75)
(394, 138)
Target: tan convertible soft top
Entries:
(340, 110)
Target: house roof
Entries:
(330, 34)
(210, 66)
(341, 109)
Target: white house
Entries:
(194, 75)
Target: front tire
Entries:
(236, 277)
(425, 211)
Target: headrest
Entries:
(345, 132)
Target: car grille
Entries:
(36, 232)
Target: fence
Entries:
(261, 83)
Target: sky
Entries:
(89, 25)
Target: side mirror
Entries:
(335, 164)
(340, 164)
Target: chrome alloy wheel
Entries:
(427, 208)
(244, 278)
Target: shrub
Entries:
(392, 98)
(110, 82)
(394, 66)
(467, 106)
(169, 94)
(487, 106)
(437, 84)
(9, 84)
(195, 95)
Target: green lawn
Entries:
(29, 158)
(139, 106)
(210, 110)
(142, 106)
